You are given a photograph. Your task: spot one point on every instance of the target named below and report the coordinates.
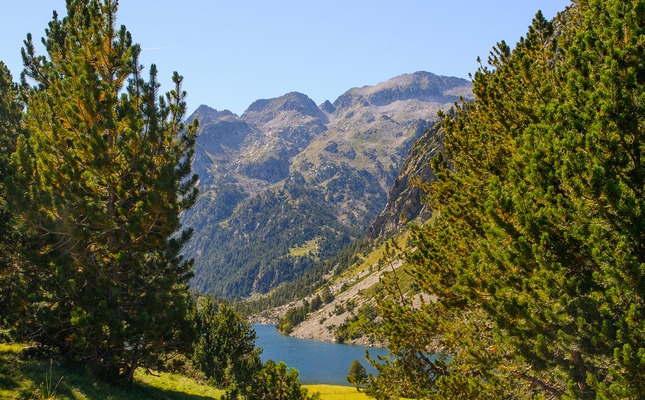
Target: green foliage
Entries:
(11, 274)
(536, 256)
(102, 175)
(309, 283)
(327, 296)
(276, 381)
(225, 351)
(358, 325)
(296, 315)
(268, 226)
(316, 303)
(357, 374)
(293, 317)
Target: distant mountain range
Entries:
(288, 183)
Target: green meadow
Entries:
(23, 378)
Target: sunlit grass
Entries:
(310, 246)
(330, 392)
(371, 259)
(42, 379)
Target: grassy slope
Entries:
(35, 379)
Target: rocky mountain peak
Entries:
(268, 109)
(327, 107)
(292, 183)
(423, 86)
(206, 114)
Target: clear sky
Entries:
(234, 52)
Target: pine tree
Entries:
(104, 176)
(357, 374)
(536, 254)
(225, 351)
(11, 107)
(277, 381)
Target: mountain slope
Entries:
(404, 201)
(289, 183)
(355, 284)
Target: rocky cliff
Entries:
(405, 198)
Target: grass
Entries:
(310, 246)
(54, 379)
(371, 259)
(330, 392)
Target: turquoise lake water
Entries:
(316, 362)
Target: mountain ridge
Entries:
(288, 183)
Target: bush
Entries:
(316, 303)
(225, 351)
(273, 381)
(327, 296)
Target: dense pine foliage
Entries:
(11, 272)
(225, 350)
(531, 271)
(537, 255)
(101, 177)
(96, 172)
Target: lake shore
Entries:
(321, 324)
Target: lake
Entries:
(316, 362)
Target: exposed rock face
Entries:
(327, 107)
(289, 183)
(405, 200)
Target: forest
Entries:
(532, 267)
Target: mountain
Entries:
(354, 283)
(288, 183)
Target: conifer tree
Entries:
(10, 127)
(225, 350)
(536, 255)
(103, 177)
(276, 381)
(357, 375)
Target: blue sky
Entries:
(232, 53)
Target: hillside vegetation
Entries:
(95, 173)
(353, 277)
